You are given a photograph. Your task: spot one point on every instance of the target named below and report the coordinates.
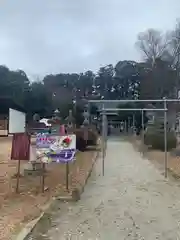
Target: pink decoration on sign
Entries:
(62, 130)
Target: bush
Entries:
(154, 137)
(92, 137)
(149, 135)
(153, 129)
(81, 144)
(158, 141)
(79, 133)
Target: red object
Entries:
(67, 140)
(20, 146)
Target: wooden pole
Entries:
(67, 176)
(43, 176)
(18, 176)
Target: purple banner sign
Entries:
(56, 148)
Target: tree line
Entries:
(157, 76)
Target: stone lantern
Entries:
(86, 118)
(55, 122)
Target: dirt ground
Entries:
(17, 209)
(131, 201)
(157, 158)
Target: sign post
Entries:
(20, 151)
(18, 176)
(59, 149)
(43, 176)
(67, 176)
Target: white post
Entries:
(165, 139)
(103, 139)
(142, 124)
(128, 124)
(133, 123)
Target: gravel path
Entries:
(131, 202)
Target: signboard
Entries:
(17, 121)
(20, 146)
(55, 148)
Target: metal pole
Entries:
(103, 141)
(74, 102)
(103, 150)
(128, 125)
(134, 109)
(133, 123)
(165, 139)
(106, 133)
(134, 101)
(142, 124)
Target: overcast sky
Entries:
(51, 36)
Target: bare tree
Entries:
(153, 44)
(174, 46)
(160, 80)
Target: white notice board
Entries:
(17, 121)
